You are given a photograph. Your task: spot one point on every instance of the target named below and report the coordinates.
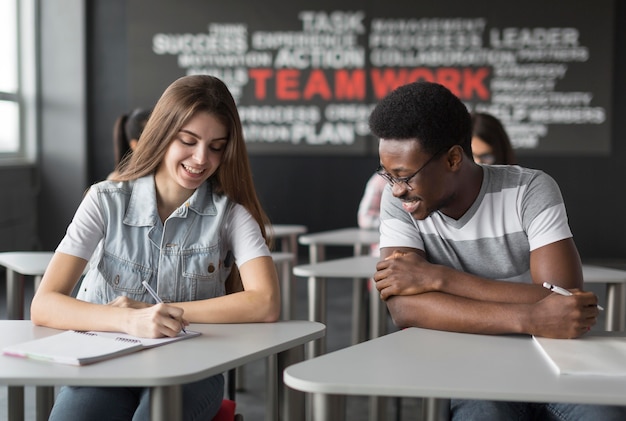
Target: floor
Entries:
(251, 398)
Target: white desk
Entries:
(360, 268)
(435, 364)
(220, 348)
(615, 293)
(284, 262)
(365, 266)
(288, 236)
(19, 264)
(360, 240)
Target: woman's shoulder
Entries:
(109, 185)
(116, 189)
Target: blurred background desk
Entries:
(288, 236)
(614, 279)
(357, 238)
(360, 268)
(19, 264)
(286, 257)
(360, 240)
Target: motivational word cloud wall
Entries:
(306, 75)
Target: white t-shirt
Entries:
(517, 210)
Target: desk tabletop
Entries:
(365, 266)
(219, 348)
(285, 230)
(601, 274)
(428, 363)
(341, 237)
(349, 267)
(32, 263)
(282, 256)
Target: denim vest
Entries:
(183, 259)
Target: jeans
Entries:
(465, 410)
(201, 401)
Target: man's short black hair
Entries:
(425, 111)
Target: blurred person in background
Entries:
(126, 132)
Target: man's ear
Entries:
(455, 157)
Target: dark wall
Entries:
(323, 192)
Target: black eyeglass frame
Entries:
(395, 180)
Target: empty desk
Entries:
(357, 238)
(359, 267)
(288, 236)
(19, 264)
(362, 268)
(360, 240)
(284, 263)
(615, 293)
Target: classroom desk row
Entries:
(359, 268)
(19, 264)
(360, 240)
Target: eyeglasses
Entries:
(398, 180)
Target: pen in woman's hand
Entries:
(157, 298)
(562, 291)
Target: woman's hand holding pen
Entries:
(151, 320)
(156, 321)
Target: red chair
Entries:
(228, 407)
(227, 411)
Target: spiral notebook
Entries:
(87, 347)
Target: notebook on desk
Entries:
(81, 348)
(593, 354)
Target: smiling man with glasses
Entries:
(466, 247)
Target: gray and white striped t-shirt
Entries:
(517, 210)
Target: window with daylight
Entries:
(17, 79)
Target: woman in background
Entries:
(126, 132)
(180, 214)
(490, 142)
